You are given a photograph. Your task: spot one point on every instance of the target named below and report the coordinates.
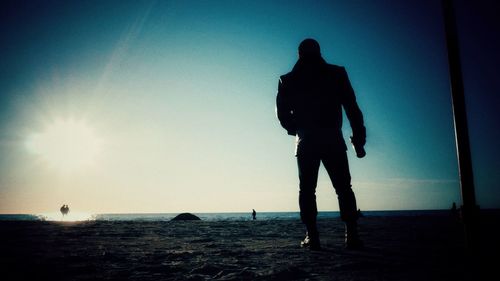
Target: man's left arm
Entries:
(352, 111)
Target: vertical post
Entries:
(469, 208)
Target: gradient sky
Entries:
(168, 106)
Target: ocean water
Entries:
(78, 216)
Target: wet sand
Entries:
(397, 248)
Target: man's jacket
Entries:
(311, 97)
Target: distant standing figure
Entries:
(454, 211)
(309, 106)
(360, 215)
(254, 214)
(64, 210)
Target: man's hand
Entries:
(358, 147)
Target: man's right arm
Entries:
(284, 109)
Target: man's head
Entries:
(309, 48)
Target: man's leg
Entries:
(337, 167)
(308, 166)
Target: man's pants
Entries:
(337, 166)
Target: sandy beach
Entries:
(397, 248)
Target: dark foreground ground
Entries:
(397, 248)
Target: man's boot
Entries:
(311, 240)
(352, 241)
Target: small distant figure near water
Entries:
(64, 210)
(254, 214)
(360, 215)
(455, 213)
(309, 106)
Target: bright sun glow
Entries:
(70, 217)
(68, 145)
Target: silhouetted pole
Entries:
(469, 208)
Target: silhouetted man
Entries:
(309, 106)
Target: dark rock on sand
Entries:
(186, 217)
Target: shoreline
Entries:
(224, 216)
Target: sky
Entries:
(169, 106)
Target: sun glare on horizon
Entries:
(66, 144)
(70, 217)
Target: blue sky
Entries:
(173, 103)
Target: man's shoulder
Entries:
(286, 76)
(335, 68)
(330, 68)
